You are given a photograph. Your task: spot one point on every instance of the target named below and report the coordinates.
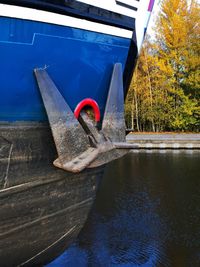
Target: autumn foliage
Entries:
(165, 91)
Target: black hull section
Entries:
(42, 208)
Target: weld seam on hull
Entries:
(54, 243)
(8, 166)
(22, 187)
(26, 225)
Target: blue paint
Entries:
(79, 62)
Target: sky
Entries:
(155, 12)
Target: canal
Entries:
(147, 213)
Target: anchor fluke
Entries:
(70, 139)
(113, 121)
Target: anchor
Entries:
(79, 143)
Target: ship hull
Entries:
(42, 208)
(80, 63)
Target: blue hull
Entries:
(42, 208)
(80, 62)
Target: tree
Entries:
(178, 48)
(165, 93)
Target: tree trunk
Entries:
(132, 113)
(150, 93)
(136, 112)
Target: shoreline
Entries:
(164, 140)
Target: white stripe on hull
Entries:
(111, 5)
(62, 20)
(141, 15)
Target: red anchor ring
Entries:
(88, 102)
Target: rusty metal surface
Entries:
(65, 127)
(42, 208)
(79, 143)
(113, 122)
(6, 149)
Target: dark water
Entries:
(147, 213)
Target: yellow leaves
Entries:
(172, 24)
(165, 67)
(165, 90)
